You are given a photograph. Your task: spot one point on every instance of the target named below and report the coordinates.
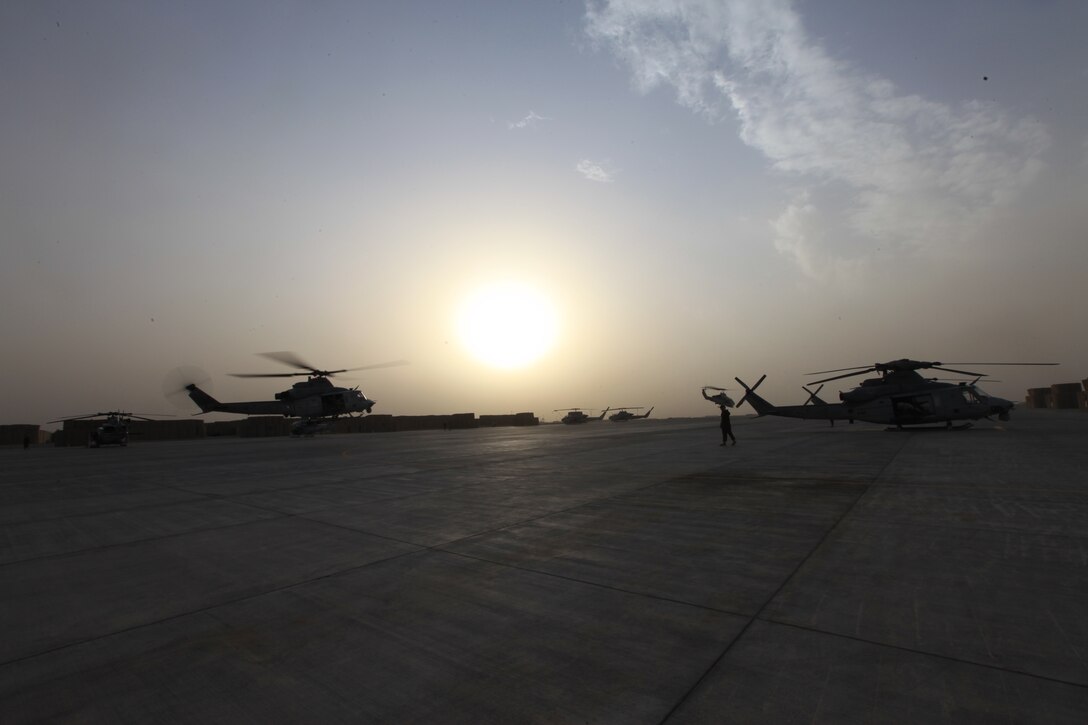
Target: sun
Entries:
(507, 324)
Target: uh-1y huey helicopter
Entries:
(315, 401)
(899, 397)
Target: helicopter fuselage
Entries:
(111, 432)
(315, 398)
(896, 403)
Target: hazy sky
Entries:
(701, 188)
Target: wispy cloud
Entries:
(596, 171)
(530, 121)
(917, 175)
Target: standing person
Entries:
(727, 427)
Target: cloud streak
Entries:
(907, 174)
(530, 121)
(596, 171)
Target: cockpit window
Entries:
(972, 395)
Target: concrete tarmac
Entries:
(603, 573)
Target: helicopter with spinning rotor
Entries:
(314, 401)
(899, 397)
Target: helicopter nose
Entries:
(1000, 407)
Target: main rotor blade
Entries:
(268, 375)
(961, 372)
(288, 358)
(1002, 363)
(840, 377)
(839, 370)
(390, 364)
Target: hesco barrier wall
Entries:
(1038, 398)
(376, 423)
(1064, 395)
(1059, 396)
(264, 426)
(18, 433)
(78, 432)
(490, 421)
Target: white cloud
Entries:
(530, 121)
(596, 171)
(920, 176)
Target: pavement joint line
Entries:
(209, 609)
(279, 515)
(924, 653)
(120, 544)
(586, 582)
(89, 514)
(785, 581)
(872, 519)
(292, 585)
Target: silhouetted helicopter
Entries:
(113, 431)
(315, 401)
(623, 414)
(575, 415)
(899, 397)
(719, 398)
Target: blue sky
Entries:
(703, 190)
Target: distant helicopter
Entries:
(623, 414)
(575, 415)
(719, 398)
(113, 431)
(315, 401)
(899, 397)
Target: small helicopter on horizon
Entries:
(113, 431)
(899, 397)
(315, 401)
(576, 415)
(624, 414)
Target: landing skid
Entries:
(899, 429)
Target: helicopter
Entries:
(315, 401)
(719, 398)
(623, 414)
(575, 415)
(113, 431)
(899, 397)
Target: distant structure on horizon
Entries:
(77, 432)
(1059, 396)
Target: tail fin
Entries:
(206, 402)
(814, 397)
(648, 412)
(762, 406)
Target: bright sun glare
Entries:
(507, 325)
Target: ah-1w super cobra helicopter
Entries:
(624, 414)
(575, 416)
(315, 401)
(899, 397)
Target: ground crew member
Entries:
(727, 427)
